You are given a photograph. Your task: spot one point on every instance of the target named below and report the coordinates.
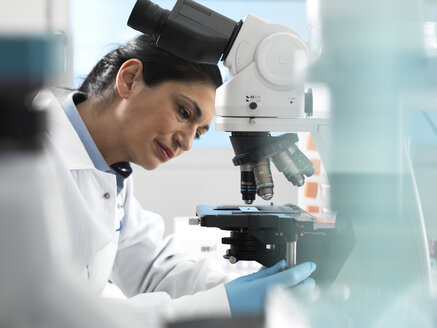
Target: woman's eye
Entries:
(184, 113)
(197, 137)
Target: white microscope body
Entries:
(266, 93)
(266, 90)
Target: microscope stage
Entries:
(230, 217)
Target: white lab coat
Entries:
(159, 282)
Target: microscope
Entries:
(265, 93)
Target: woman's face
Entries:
(161, 122)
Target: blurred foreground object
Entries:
(38, 280)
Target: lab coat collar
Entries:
(62, 133)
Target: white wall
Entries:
(23, 17)
(201, 176)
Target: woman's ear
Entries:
(129, 74)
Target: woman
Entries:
(145, 106)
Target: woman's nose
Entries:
(185, 139)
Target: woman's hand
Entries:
(247, 294)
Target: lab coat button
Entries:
(106, 195)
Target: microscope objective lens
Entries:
(248, 185)
(263, 178)
(293, 164)
(267, 196)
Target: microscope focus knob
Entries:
(233, 259)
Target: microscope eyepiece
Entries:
(148, 18)
(190, 30)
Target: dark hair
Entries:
(158, 66)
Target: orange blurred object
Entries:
(312, 209)
(316, 165)
(310, 143)
(311, 189)
(325, 222)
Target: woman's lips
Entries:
(166, 153)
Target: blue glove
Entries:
(247, 294)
